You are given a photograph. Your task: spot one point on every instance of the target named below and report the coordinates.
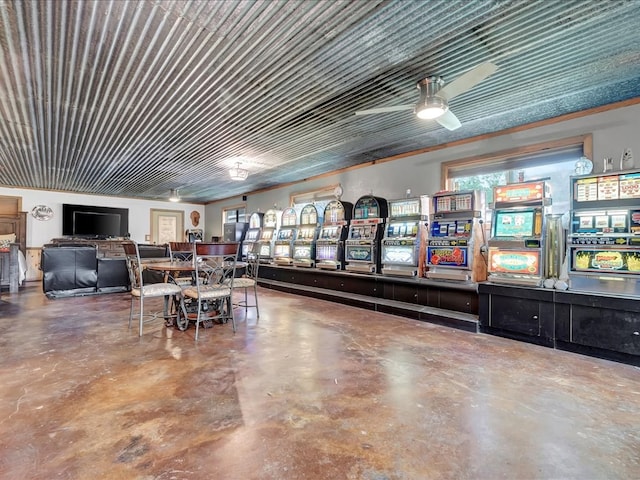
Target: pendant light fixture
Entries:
(237, 173)
(174, 196)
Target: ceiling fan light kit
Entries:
(430, 105)
(435, 97)
(174, 196)
(238, 174)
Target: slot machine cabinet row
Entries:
(270, 226)
(456, 237)
(403, 244)
(330, 243)
(253, 233)
(604, 233)
(362, 246)
(304, 245)
(517, 245)
(283, 244)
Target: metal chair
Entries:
(210, 298)
(249, 280)
(181, 251)
(141, 291)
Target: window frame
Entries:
(515, 154)
(236, 207)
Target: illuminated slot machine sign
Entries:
(456, 237)
(405, 236)
(283, 245)
(604, 236)
(270, 225)
(516, 248)
(304, 246)
(330, 243)
(362, 246)
(253, 233)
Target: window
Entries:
(234, 214)
(553, 161)
(320, 198)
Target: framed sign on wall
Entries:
(167, 226)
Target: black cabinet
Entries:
(596, 324)
(588, 323)
(444, 303)
(521, 313)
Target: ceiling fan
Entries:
(434, 96)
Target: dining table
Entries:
(171, 271)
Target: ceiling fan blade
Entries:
(397, 108)
(449, 121)
(467, 80)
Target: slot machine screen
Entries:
(509, 223)
(284, 234)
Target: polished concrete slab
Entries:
(311, 390)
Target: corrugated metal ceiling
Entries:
(134, 98)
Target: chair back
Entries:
(253, 261)
(215, 263)
(134, 265)
(180, 250)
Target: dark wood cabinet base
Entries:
(449, 304)
(599, 325)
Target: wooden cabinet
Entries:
(105, 248)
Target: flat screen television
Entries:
(94, 222)
(510, 223)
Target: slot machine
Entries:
(253, 232)
(270, 226)
(405, 236)
(516, 247)
(330, 243)
(456, 237)
(304, 246)
(604, 234)
(283, 244)
(362, 246)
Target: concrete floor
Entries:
(313, 390)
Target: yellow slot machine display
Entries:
(604, 235)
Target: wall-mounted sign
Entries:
(42, 213)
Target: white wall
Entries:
(41, 232)
(613, 131)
